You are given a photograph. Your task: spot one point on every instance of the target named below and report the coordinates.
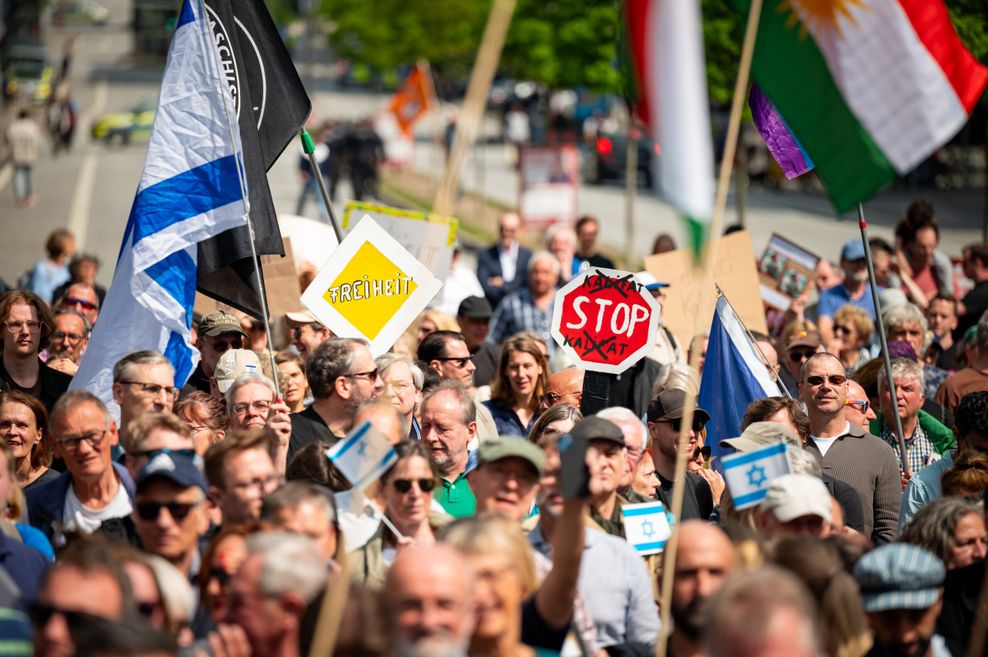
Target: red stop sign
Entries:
(605, 320)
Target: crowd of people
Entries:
(204, 517)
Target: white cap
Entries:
(793, 496)
(232, 364)
(649, 281)
(302, 317)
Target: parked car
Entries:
(27, 73)
(605, 159)
(125, 126)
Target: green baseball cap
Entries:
(218, 323)
(503, 447)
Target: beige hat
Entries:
(302, 317)
(793, 496)
(220, 322)
(761, 434)
(232, 364)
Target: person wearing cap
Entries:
(795, 504)
(306, 332)
(854, 289)
(506, 478)
(664, 416)
(474, 318)
(143, 382)
(153, 433)
(801, 345)
(667, 349)
(611, 463)
(169, 509)
(218, 331)
(232, 364)
(902, 593)
(635, 439)
(847, 452)
(587, 227)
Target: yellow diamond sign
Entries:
(369, 301)
(371, 287)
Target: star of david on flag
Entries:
(363, 456)
(646, 527)
(749, 475)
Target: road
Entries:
(90, 190)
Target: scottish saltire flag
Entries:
(733, 376)
(646, 527)
(363, 456)
(789, 154)
(190, 190)
(749, 475)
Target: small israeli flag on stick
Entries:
(750, 474)
(646, 527)
(363, 456)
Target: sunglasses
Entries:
(370, 375)
(861, 406)
(705, 451)
(840, 328)
(40, 614)
(405, 485)
(73, 301)
(149, 511)
(796, 356)
(677, 423)
(833, 379)
(219, 575)
(458, 363)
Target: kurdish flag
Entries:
(869, 87)
(665, 40)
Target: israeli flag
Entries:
(749, 475)
(646, 527)
(733, 377)
(363, 456)
(192, 188)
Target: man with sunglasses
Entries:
(218, 331)
(665, 415)
(82, 297)
(26, 326)
(169, 509)
(846, 451)
(94, 493)
(857, 408)
(306, 332)
(143, 382)
(155, 433)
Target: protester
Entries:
(71, 336)
(857, 408)
(635, 439)
(529, 308)
(951, 528)
(474, 319)
(24, 137)
(516, 393)
(20, 564)
(446, 354)
(967, 477)
(587, 228)
(664, 420)
(503, 267)
(28, 325)
(847, 452)
(307, 510)
(795, 504)
(972, 378)
(306, 332)
(560, 419)
(143, 382)
(83, 269)
(220, 561)
(240, 473)
(292, 381)
(252, 403)
(941, 317)
(561, 242)
(384, 417)
(974, 261)
(82, 297)
(403, 382)
(506, 478)
(564, 386)
(449, 425)
(155, 433)
(907, 323)
(218, 331)
(207, 419)
(24, 428)
(799, 347)
(853, 328)
(853, 290)
(925, 271)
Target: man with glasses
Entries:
(635, 438)
(846, 451)
(155, 433)
(143, 382)
(665, 415)
(252, 402)
(565, 387)
(169, 509)
(342, 375)
(94, 493)
(306, 332)
(240, 473)
(218, 331)
(446, 353)
(71, 336)
(26, 326)
(82, 297)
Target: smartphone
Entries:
(574, 475)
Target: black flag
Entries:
(271, 108)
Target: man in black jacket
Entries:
(503, 268)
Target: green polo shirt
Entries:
(456, 497)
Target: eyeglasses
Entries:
(152, 454)
(146, 609)
(150, 511)
(370, 375)
(860, 405)
(796, 356)
(677, 423)
(219, 575)
(17, 327)
(94, 438)
(405, 485)
(40, 614)
(75, 301)
(840, 328)
(62, 335)
(261, 406)
(833, 379)
(458, 363)
(153, 389)
(262, 484)
(705, 451)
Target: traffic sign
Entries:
(370, 288)
(605, 320)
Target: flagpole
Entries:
(900, 438)
(244, 197)
(310, 151)
(686, 422)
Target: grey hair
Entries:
(292, 495)
(933, 525)
(802, 462)
(545, 255)
(244, 379)
(907, 313)
(87, 325)
(560, 229)
(467, 405)
(73, 398)
(384, 363)
(331, 360)
(121, 370)
(289, 563)
(902, 367)
(622, 414)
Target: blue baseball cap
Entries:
(853, 250)
(176, 468)
(899, 576)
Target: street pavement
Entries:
(90, 190)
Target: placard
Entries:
(785, 272)
(548, 182)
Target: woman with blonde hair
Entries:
(852, 335)
(516, 393)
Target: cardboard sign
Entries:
(430, 238)
(548, 184)
(687, 308)
(605, 320)
(646, 527)
(785, 272)
(370, 288)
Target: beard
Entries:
(689, 619)
(918, 649)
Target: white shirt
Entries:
(77, 517)
(509, 262)
(823, 444)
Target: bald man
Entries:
(565, 387)
(384, 417)
(856, 401)
(428, 591)
(705, 559)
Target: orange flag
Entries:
(413, 99)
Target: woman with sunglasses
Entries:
(406, 490)
(516, 393)
(226, 551)
(852, 335)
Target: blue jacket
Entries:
(45, 503)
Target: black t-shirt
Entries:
(960, 600)
(485, 359)
(698, 500)
(51, 384)
(537, 632)
(308, 428)
(975, 303)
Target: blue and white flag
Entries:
(749, 475)
(191, 189)
(733, 377)
(646, 527)
(363, 456)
